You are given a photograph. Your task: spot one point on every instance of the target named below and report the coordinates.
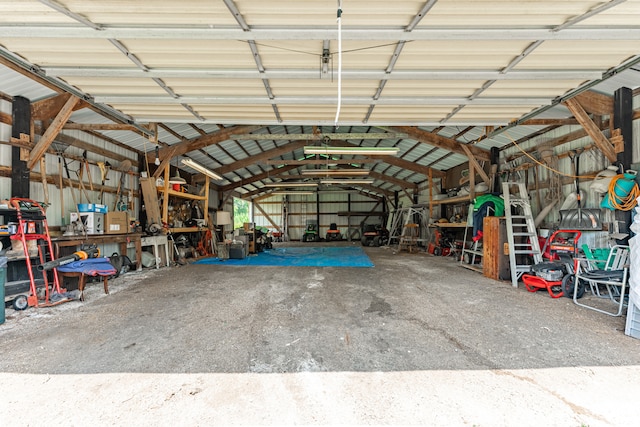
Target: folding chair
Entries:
(609, 282)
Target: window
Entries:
(241, 212)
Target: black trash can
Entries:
(3, 279)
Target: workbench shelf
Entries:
(173, 195)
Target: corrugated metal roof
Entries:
(195, 65)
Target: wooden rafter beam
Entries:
(595, 103)
(100, 126)
(47, 109)
(387, 178)
(550, 122)
(52, 131)
(591, 128)
(323, 161)
(264, 175)
(440, 141)
(166, 160)
(265, 155)
(475, 165)
(203, 141)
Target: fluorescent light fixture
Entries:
(291, 184)
(372, 151)
(346, 181)
(198, 167)
(340, 172)
(294, 193)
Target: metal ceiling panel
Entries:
(152, 12)
(14, 84)
(196, 65)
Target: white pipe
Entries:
(339, 63)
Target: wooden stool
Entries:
(82, 281)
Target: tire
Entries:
(20, 303)
(363, 241)
(568, 282)
(316, 238)
(304, 238)
(376, 241)
(437, 251)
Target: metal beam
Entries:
(67, 31)
(317, 100)
(348, 74)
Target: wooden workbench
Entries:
(100, 239)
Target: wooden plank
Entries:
(474, 164)
(257, 206)
(596, 103)
(5, 118)
(100, 126)
(214, 138)
(323, 161)
(47, 109)
(43, 179)
(264, 175)
(150, 195)
(439, 141)
(52, 131)
(592, 129)
(490, 240)
(265, 155)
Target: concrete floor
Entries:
(414, 340)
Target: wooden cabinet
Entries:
(495, 259)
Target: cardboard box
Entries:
(116, 223)
(92, 222)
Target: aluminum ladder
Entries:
(521, 230)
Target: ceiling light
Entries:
(373, 151)
(291, 184)
(177, 179)
(198, 167)
(288, 193)
(346, 181)
(340, 172)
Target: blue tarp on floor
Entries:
(308, 256)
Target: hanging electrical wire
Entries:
(339, 63)
(544, 166)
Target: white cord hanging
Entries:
(339, 63)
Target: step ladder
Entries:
(401, 220)
(471, 257)
(521, 231)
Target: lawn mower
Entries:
(333, 233)
(311, 232)
(556, 274)
(374, 235)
